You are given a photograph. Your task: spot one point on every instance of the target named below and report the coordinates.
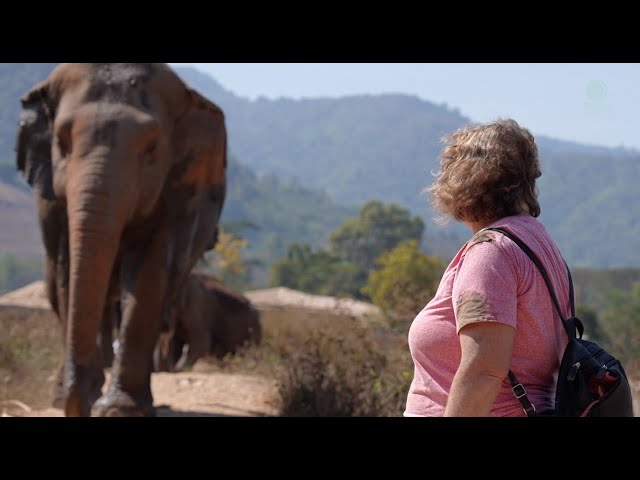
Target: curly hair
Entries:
(487, 172)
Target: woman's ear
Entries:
(33, 140)
(200, 139)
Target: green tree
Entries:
(405, 282)
(320, 272)
(376, 229)
(227, 261)
(621, 325)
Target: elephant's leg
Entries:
(51, 220)
(104, 352)
(144, 284)
(50, 274)
(52, 230)
(164, 356)
(50, 283)
(95, 369)
(190, 355)
(96, 375)
(56, 240)
(163, 360)
(62, 302)
(168, 352)
(197, 345)
(105, 344)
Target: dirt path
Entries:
(193, 394)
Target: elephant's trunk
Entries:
(94, 208)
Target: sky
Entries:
(592, 103)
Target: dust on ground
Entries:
(191, 394)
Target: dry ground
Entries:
(192, 394)
(29, 352)
(30, 348)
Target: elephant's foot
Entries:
(161, 361)
(95, 391)
(76, 405)
(121, 404)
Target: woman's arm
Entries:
(486, 359)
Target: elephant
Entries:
(128, 167)
(211, 318)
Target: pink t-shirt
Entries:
(503, 285)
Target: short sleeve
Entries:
(485, 288)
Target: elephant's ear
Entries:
(33, 140)
(200, 137)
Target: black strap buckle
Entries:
(521, 395)
(519, 391)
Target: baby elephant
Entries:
(210, 319)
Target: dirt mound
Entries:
(285, 297)
(33, 296)
(29, 296)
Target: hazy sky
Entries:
(595, 103)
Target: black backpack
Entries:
(591, 381)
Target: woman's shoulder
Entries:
(525, 227)
(487, 239)
(496, 247)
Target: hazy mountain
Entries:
(385, 147)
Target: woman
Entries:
(492, 311)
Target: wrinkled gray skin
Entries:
(128, 166)
(210, 319)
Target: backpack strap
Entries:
(543, 272)
(570, 326)
(521, 394)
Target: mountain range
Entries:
(348, 150)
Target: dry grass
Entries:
(30, 349)
(323, 365)
(327, 365)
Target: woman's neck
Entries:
(476, 226)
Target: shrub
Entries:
(327, 364)
(340, 370)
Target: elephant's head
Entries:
(121, 145)
(127, 125)
(236, 322)
(214, 320)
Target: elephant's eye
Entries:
(148, 153)
(151, 147)
(64, 140)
